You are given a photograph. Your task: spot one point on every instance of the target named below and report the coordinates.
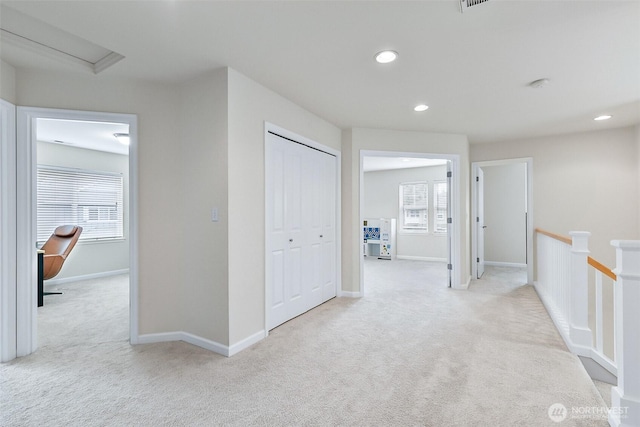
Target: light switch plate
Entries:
(214, 215)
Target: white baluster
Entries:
(579, 332)
(599, 318)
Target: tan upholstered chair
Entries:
(57, 249)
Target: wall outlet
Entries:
(214, 215)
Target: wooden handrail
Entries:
(563, 239)
(602, 268)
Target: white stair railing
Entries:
(625, 397)
(563, 271)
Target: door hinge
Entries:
(477, 219)
(449, 266)
(449, 220)
(477, 179)
(449, 174)
(477, 259)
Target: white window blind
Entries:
(414, 206)
(440, 204)
(90, 199)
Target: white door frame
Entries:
(454, 238)
(270, 127)
(7, 231)
(26, 310)
(474, 211)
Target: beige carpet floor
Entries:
(410, 353)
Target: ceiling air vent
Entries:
(465, 4)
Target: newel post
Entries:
(579, 332)
(625, 398)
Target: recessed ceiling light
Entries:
(603, 117)
(421, 107)
(386, 56)
(406, 160)
(539, 83)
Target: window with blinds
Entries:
(440, 206)
(90, 199)
(414, 207)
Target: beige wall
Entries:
(159, 170)
(202, 170)
(584, 181)
(250, 105)
(356, 140)
(505, 238)
(7, 82)
(381, 200)
(91, 257)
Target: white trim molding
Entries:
(54, 282)
(505, 264)
(421, 258)
(26, 336)
(207, 344)
(7, 231)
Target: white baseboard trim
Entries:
(186, 337)
(505, 264)
(349, 294)
(102, 274)
(463, 286)
(421, 258)
(247, 342)
(207, 344)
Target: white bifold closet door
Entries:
(300, 228)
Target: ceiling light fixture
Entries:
(421, 107)
(539, 83)
(123, 138)
(603, 117)
(386, 56)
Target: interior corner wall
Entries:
(381, 200)
(358, 139)
(638, 165)
(7, 82)
(581, 182)
(505, 193)
(89, 258)
(159, 174)
(203, 170)
(250, 106)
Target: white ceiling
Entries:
(471, 68)
(83, 134)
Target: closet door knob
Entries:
(321, 236)
(290, 240)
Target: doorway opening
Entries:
(502, 215)
(73, 146)
(408, 216)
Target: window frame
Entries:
(402, 228)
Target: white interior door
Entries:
(480, 227)
(300, 225)
(328, 234)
